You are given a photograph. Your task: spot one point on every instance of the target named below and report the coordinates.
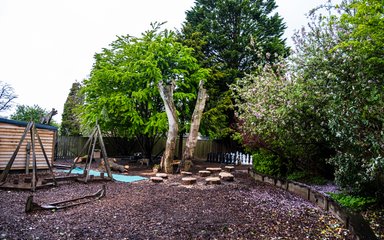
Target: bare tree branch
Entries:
(7, 95)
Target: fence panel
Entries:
(70, 147)
(235, 158)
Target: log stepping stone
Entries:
(229, 168)
(214, 169)
(157, 179)
(204, 173)
(212, 180)
(184, 173)
(226, 176)
(162, 175)
(188, 180)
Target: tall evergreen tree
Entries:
(70, 124)
(224, 34)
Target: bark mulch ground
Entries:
(242, 209)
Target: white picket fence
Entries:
(236, 158)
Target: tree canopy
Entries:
(122, 94)
(31, 113)
(224, 34)
(70, 123)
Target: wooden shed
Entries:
(11, 132)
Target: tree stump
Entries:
(188, 180)
(157, 179)
(226, 176)
(184, 173)
(204, 173)
(162, 175)
(213, 169)
(212, 180)
(229, 168)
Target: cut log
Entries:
(214, 170)
(188, 180)
(162, 175)
(229, 168)
(114, 166)
(204, 173)
(226, 176)
(157, 179)
(184, 173)
(81, 159)
(212, 180)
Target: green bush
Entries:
(355, 203)
(266, 163)
(301, 176)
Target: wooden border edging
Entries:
(351, 220)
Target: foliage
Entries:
(221, 32)
(30, 113)
(70, 124)
(122, 94)
(305, 177)
(355, 113)
(266, 163)
(278, 114)
(7, 95)
(355, 203)
(326, 102)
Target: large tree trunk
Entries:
(166, 93)
(191, 142)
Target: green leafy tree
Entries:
(327, 104)
(122, 93)
(70, 123)
(7, 95)
(356, 111)
(31, 113)
(222, 33)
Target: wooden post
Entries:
(104, 153)
(27, 159)
(82, 150)
(91, 145)
(45, 156)
(34, 163)
(90, 155)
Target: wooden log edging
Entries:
(351, 220)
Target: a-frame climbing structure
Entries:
(35, 182)
(91, 145)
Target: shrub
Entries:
(301, 176)
(266, 163)
(355, 203)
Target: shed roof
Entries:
(24, 124)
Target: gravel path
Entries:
(242, 209)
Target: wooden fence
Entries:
(70, 147)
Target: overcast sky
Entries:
(46, 45)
